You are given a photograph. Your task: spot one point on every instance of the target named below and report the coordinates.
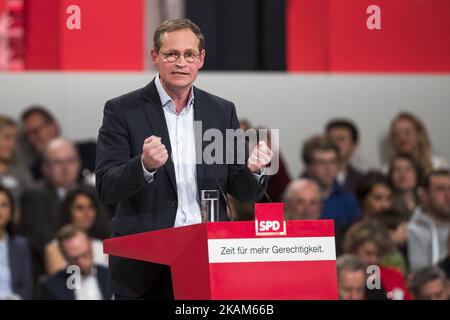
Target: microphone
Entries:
(230, 215)
(267, 196)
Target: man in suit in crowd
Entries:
(41, 127)
(302, 200)
(41, 203)
(320, 157)
(345, 136)
(148, 163)
(82, 280)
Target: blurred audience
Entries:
(344, 134)
(429, 227)
(430, 284)
(41, 204)
(320, 157)
(12, 175)
(16, 278)
(41, 127)
(396, 225)
(405, 175)
(82, 208)
(370, 242)
(302, 200)
(275, 183)
(351, 273)
(374, 193)
(401, 222)
(408, 135)
(90, 283)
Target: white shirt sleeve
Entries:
(148, 176)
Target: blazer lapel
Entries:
(102, 280)
(14, 262)
(67, 294)
(200, 114)
(155, 116)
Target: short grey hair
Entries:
(175, 25)
(298, 183)
(425, 275)
(350, 262)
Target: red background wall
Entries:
(331, 35)
(111, 35)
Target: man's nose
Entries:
(181, 62)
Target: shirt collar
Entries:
(164, 96)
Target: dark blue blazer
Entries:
(352, 179)
(20, 266)
(139, 207)
(55, 287)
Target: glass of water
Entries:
(210, 205)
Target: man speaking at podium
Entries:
(147, 168)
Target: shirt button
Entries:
(172, 204)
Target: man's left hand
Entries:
(260, 157)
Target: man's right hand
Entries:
(154, 153)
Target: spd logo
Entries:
(269, 219)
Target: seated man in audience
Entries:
(428, 230)
(345, 136)
(82, 280)
(320, 157)
(40, 205)
(40, 127)
(351, 273)
(430, 284)
(302, 200)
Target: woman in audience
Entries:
(16, 278)
(82, 208)
(12, 176)
(405, 175)
(374, 193)
(408, 135)
(395, 223)
(369, 241)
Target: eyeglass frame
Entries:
(179, 54)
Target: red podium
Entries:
(245, 260)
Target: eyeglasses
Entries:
(173, 56)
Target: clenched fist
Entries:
(260, 157)
(154, 153)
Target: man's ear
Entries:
(201, 59)
(154, 55)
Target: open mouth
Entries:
(178, 73)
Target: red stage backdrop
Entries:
(332, 35)
(111, 35)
